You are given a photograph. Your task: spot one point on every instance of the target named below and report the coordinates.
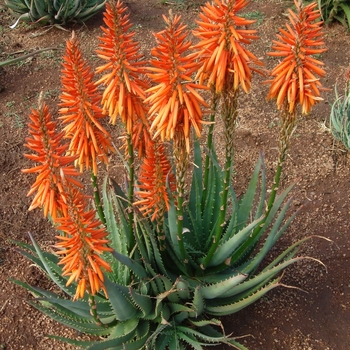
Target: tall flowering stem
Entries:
(295, 79)
(54, 165)
(209, 144)
(175, 102)
(58, 193)
(124, 88)
(80, 109)
(83, 241)
(226, 65)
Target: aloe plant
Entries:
(335, 10)
(340, 115)
(155, 265)
(58, 12)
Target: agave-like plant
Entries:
(58, 12)
(154, 265)
(335, 10)
(340, 115)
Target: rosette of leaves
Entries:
(148, 307)
(157, 301)
(58, 12)
(335, 10)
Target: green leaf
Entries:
(217, 289)
(79, 343)
(52, 269)
(142, 302)
(41, 7)
(210, 331)
(195, 207)
(263, 277)
(346, 9)
(226, 249)
(197, 302)
(246, 203)
(84, 327)
(120, 301)
(223, 310)
(138, 269)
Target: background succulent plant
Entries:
(340, 115)
(59, 12)
(338, 10)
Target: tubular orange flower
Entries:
(295, 78)
(54, 165)
(175, 103)
(155, 173)
(81, 246)
(124, 90)
(81, 111)
(225, 61)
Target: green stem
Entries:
(275, 184)
(230, 114)
(97, 199)
(180, 215)
(131, 179)
(93, 310)
(210, 147)
(181, 162)
(286, 131)
(288, 123)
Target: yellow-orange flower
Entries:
(124, 90)
(54, 167)
(80, 110)
(81, 245)
(155, 173)
(294, 79)
(226, 63)
(175, 104)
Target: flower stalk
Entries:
(131, 182)
(294, 79)
(209, 144)
(181, 164)
(97, 198)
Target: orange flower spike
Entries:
(175, 94)
(124, 90)
(80, 248)
(155, 173)
(49, 153)
(294, 79)
(225, 63)
(80, 110)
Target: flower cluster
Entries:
(174, 99)
(80, 110)
(125, 87)
(54, 166)
(225, 62)
(294, 79)
(154, 176)
(81, 245)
